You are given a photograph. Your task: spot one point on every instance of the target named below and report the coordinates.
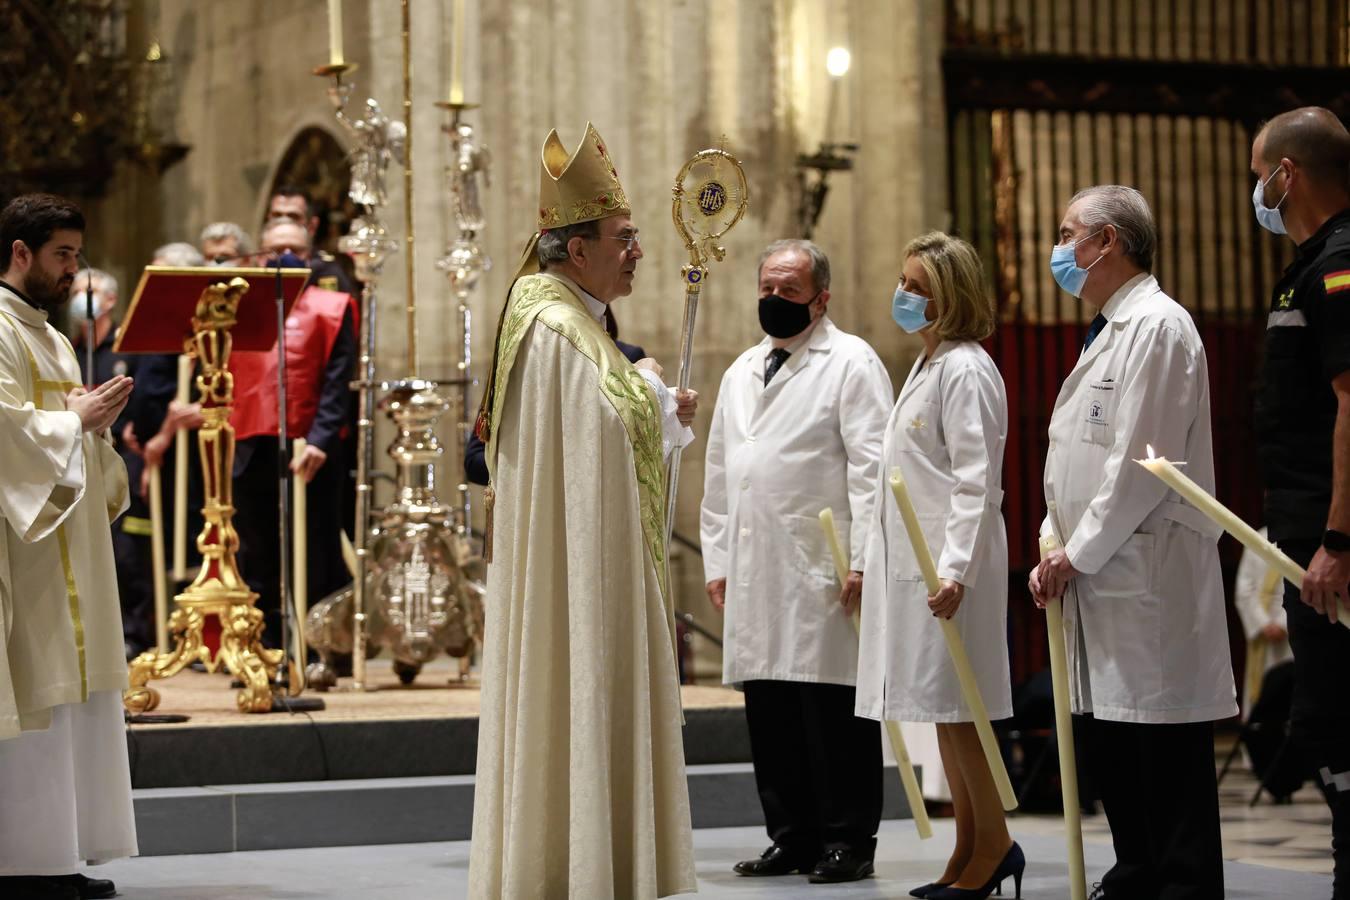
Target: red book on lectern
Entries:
(159, 318)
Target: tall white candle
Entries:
(180, 475)
(457, 54)
(910, 781)
(1226, 519)
(335, 33)
(160, 589)
(300, 578)
(956, 648)
(1068, 762)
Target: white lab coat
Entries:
(777, 456)
(1256, 612)
(946, 434)
(1145, 625)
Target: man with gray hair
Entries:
(798, 427)
(180, 254)
(224, 241)
(1144, 619)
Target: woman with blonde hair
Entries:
(946, 434)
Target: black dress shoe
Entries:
(777, 860)
(27, 887)
(87, 888)
(841, 865)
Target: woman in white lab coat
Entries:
(946, 434)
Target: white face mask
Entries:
(1269, 217)
(79, 306)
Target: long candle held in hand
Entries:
(301, 577)
(161, 591)
(956, 648)
(1225, 518)
(180, 477)
(1068, 762)
(335, 33)
(908, 779)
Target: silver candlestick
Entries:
(464, 263)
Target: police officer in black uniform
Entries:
(1302, 162)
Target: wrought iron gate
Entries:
(1046, 97)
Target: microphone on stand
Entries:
(90, 316)
(282, 696)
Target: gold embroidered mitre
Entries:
(580, 186)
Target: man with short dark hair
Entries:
(65, 788)
(1301, 160)
(292, 204)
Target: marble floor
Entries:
(1294, 836)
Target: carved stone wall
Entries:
(659, 80)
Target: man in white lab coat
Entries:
(798, 427)
(1144, 613)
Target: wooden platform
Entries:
(392, 731)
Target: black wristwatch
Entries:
(1336, 541)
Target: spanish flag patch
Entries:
(1335, 282)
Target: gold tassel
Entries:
(489, 500)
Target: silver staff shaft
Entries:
(691, 295)
(365, 467)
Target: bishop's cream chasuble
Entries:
(61, 487)
(580, 789)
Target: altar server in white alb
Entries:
(798, 428)
(65, 787)
(946, 435)
(1146, 631)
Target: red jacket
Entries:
(312, 329)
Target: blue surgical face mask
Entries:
(908, 311)
(1268, 217)
(1064, 266)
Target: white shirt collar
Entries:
(1111, 307)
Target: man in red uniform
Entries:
(320, 357)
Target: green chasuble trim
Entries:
(552, 301)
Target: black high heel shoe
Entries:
(1014, 864)
(927, 890)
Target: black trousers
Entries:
(817, 766)
(256, 519)
(1157, 784)
(1320, 717)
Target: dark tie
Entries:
(1093, 330)
(777, 357)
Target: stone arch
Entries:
(316, 161)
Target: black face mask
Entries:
(781, 318)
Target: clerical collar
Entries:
(21, 295)
(597, 309)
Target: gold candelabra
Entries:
(218, 589)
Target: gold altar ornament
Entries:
(218, 589)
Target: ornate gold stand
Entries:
(218, 589)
